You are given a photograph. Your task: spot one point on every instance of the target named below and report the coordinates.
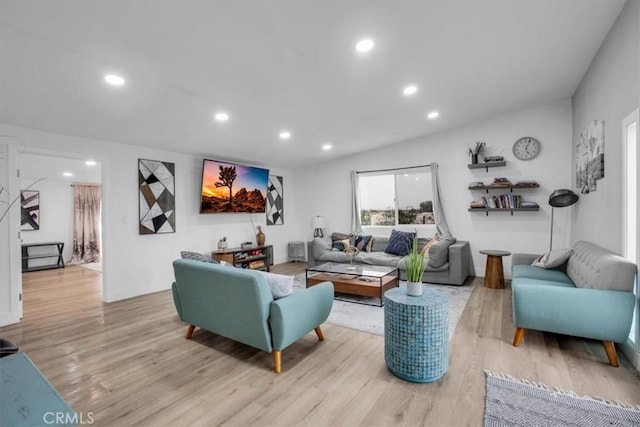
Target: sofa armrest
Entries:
(294, 316)
(311, 256)
(315, 248)
(459, 262)
(590, 313)
(527, 259)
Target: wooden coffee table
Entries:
(357, 279)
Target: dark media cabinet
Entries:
(252, 257)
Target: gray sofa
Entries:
(454, 271)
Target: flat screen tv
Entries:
(232, 188)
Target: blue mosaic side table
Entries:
(416, 334)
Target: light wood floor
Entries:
(128, 363)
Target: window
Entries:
(396, 197)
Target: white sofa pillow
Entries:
(552, 259)
(280, 285)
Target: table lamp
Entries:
(318, 223)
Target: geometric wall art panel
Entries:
(275, 201)
(156, 197)
(30, 210)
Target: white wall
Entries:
(56, 217)
(135, 264)
(325, 188)
(6, 302)
(609, 91)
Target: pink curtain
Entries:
(86, 223)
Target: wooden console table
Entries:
(27, 256)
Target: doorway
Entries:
(53, 220)
(631, 222)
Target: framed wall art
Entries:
(590, 157)
(30, 210)
(275, 201)
(156, 197)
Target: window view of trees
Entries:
(396, 198)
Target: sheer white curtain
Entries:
(356, 225)
(438, 212)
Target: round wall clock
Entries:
(526, 148)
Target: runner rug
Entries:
(512, 402)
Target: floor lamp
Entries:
(560, 199)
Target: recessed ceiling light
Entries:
(326, 147)
(221, 116)
(285, 134)
(410, 90)
(90, 163)
(433, 115)
(364, 45)
(67, 174)
(114, 79)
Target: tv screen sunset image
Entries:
(232, 188)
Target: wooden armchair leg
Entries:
(277, 361)
(190, 331)
(610, 348)
(319, 334)
(517, 338)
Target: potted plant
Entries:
(222, 243)
(414, 263)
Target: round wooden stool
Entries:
(494, 274)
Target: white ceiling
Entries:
(285, 64)
(35, 166)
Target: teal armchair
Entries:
(237, 304)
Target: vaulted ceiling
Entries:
(276, 65)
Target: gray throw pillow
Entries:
(280, 285)
(552, 259)
(439, 252)
(197, 256)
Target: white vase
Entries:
(414, 289)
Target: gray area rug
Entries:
(370, 319)
(512, 402)
(95, 266)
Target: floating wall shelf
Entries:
(487, 165)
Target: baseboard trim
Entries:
(8, 318)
